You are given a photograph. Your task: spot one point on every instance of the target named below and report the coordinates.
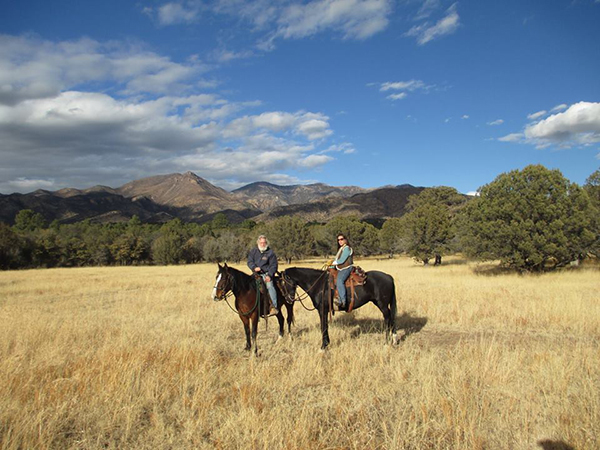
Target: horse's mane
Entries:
(241, 279)
(306, 269)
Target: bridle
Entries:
(299, 298)
(285, 289)
(226, 291)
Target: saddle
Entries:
(264, 292)
(358, 277)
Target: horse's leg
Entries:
(255, 331)
(388, 320)
(290, 317)
(324, 325)
(281, 322)
(246, 323)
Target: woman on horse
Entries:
(343, 263)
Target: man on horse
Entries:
(263, 261)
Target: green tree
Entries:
(532, 219)
(290, 238)
(211, 250)
(10, 248)
(167, 249)
(47, 251)
(363, 237)
(392, 236)
(129, 248)
(220, 221)
(592, 187)
(429, 229)
(28, 220)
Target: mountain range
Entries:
(161, 198)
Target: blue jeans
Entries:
(271, 289)
(341, 287)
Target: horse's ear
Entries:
(224, 265)
(219, 266)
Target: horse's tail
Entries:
(393, 307)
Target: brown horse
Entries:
(248, 305)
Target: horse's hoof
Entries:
(395, 339)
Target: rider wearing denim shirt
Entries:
(343, 263)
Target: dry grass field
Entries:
(142, 358)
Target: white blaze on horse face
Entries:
(214, 294)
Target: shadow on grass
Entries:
(407, 322)
(547, 444)
(495, 269)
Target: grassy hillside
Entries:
(143, 358)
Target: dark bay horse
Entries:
(379, 289)
(248, 306)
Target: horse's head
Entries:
(288, 286)
(223, 283)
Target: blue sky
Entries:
(345, 92)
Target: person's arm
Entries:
(251, 264)
(343, 257)
(272, 265)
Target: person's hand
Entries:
(330, 262)
(267, 278)
(257, 269)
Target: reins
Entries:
(300, 298)
(228, 292)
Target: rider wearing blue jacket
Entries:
(263, 261)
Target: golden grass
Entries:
(143, 358)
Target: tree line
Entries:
(531, 220)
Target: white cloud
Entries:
(313, 161)
(49, 126)
(355, 19)
(403, 86)
(537, 115)
(310, 125)
(175, 13)
(427, 8)
(560, 107)
(465, 117)
(224, 55)
(26, 184)
(345, 147)
(411, 85)
(512, 137)
(578, 125)
(426, 32)
(496, 122)
(399, 96)
(314, 129)
(31, 68)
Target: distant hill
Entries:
(266, 196)
(191, 198)
(72, 207)
(376, 204)
(193, 195)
